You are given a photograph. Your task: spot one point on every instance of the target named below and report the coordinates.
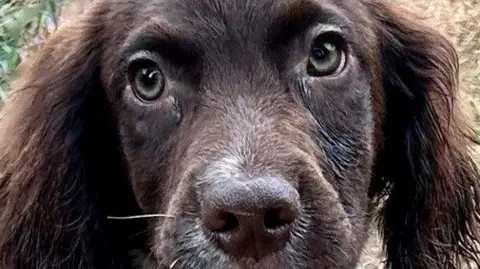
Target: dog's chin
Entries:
(273, 261)
(269, 262)
(207, 255)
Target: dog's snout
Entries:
(250, 217)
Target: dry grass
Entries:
(459, 20)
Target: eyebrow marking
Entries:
(301, 16)
(142, 54)
(159, 36)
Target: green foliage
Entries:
(23, 24)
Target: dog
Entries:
(236, 134)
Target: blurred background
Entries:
(24, 25)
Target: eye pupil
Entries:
(322, 52)
(327, 56)
(146, 79)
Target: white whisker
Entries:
(141, 216)
(173, 263)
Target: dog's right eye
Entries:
(327, 55)
(146, 79)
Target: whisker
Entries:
(138, 234)
(141, 216)
(147, 263)
(173, 263)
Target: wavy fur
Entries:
(431, 217)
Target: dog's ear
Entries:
(60, 170)
(430, 218)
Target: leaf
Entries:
(20, 19)
(3, 66)
(14, 61)
(5, 9)
(51, 9)
(3, 95)
(7, 48)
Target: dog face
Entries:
(260, 141)
(266, 130)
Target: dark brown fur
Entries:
(75, 148)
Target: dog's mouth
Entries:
(269, 262)
(193, 248)
(273, 261)
(266, 263)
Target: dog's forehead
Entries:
(212, 21)
(222, 17)
(238, 10)
(241, 34)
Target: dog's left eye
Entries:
(146, 80)
(327, 55)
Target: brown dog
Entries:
(269, 131)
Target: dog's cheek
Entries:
(346, 160)
(146, 162)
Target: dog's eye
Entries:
(146, 80)
(327, 55)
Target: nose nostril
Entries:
(276, 218)
(225, 222)
(251, 217)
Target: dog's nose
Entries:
(250, 217)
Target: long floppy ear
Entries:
(430, 216)
(60, 170)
